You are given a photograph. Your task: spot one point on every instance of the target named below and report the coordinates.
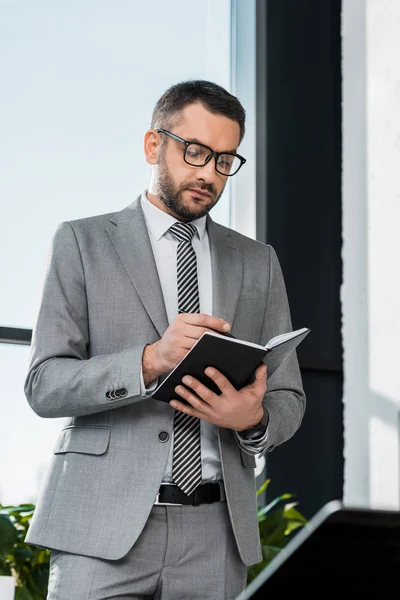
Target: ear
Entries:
(152, 143)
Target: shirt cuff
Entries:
(254, 446)
(147, 390)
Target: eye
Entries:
(225, 161)
(196, 151)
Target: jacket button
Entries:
(123, 392)
(163, 436)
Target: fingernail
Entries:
(187, 380)
(210, 371)
(226, 326)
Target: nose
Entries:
(207, 172)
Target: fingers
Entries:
(202, 393)
(197, 396)
(194, 332)
(220, 380)
(188, 409)
(206, 321)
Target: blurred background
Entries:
(321, 86)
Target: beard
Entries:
(171, 195)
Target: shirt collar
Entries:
(158, 222)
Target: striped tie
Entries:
(186, 469)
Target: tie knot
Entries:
(184, 232)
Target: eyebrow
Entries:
(196, 141)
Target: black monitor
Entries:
(340, 550)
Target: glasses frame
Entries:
(212, 154)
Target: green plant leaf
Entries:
(29, 564)
(268, 553)
(18, 508)
(22, 593)
(23, 553)
(253, 571)
(272, 530)
(24, 520)
(5, 569)
(292, 526)
(263, 487)
(272, 504)
(42, 556)
(38, 579)
(8, 536)
(293, 514)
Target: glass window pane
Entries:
(75, 103)
(26, 440)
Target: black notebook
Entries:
(236, 359)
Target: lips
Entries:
(200, 192)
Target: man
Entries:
(146, 499)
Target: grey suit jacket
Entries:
(101, 304)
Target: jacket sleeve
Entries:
(62, 380)
(285, 399)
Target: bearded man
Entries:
(145, 499)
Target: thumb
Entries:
(261, 372)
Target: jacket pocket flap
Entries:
(83, 440)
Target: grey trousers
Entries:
(183, 553)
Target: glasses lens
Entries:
(196, 155)
(228, 164)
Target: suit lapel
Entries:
(227, 271)
(128, 233)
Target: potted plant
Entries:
(277, 522)
(27, 565)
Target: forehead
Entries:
(217, 131)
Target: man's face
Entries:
(188, 192)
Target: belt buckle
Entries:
(157, 500)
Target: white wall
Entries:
(371, 225)
(79, 82)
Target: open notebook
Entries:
(236, 359)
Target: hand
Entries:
(184, 331)
(233, 409)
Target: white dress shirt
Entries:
(164, 246)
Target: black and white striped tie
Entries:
(186, 468)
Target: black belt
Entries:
(206, 493)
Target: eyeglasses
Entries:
(198, 155)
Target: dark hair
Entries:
(213, 97)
